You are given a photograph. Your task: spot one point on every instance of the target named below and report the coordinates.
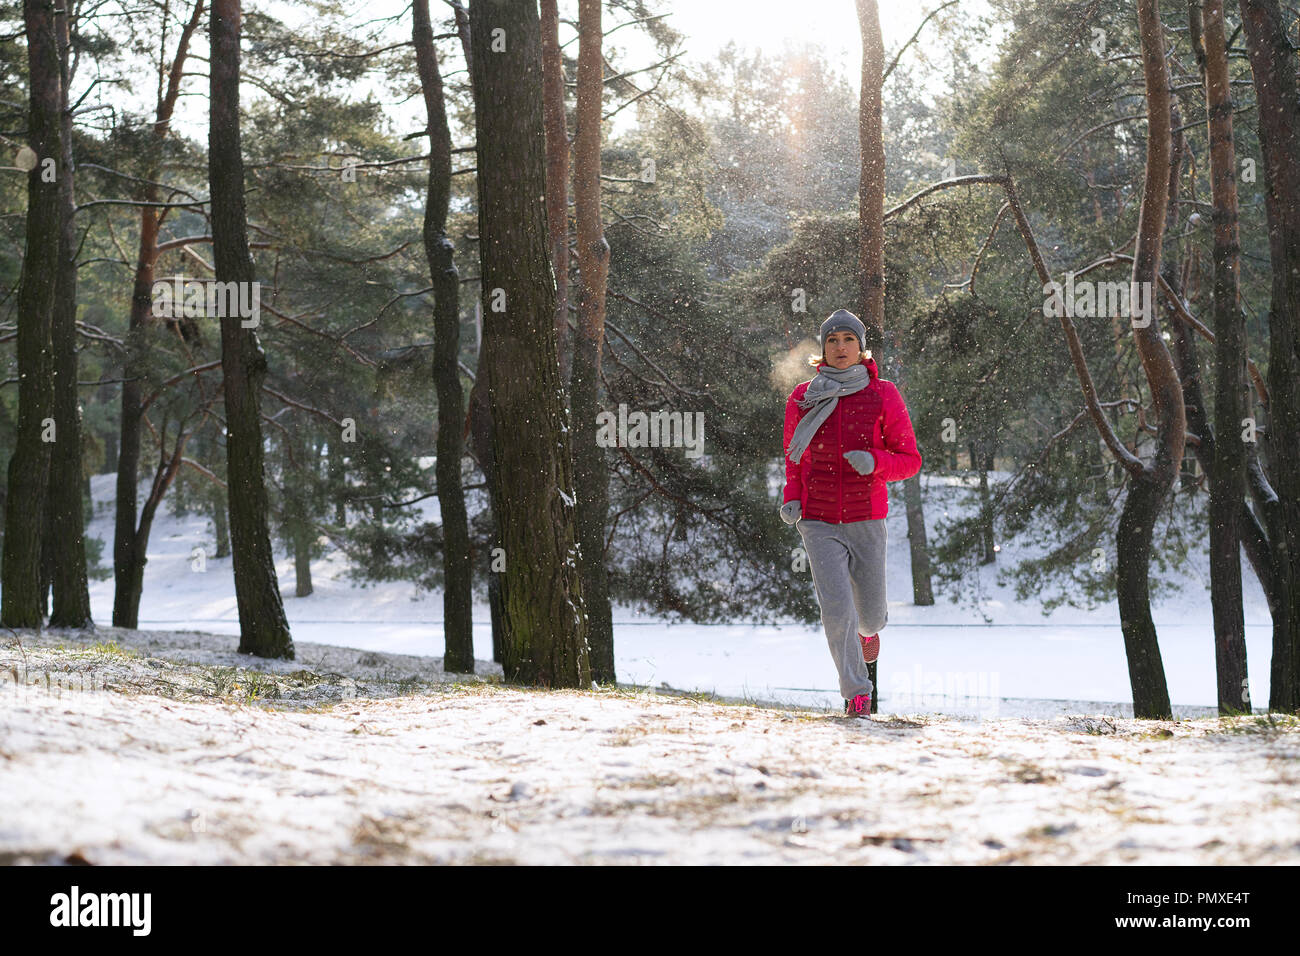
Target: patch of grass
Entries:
(110, 649)
(624, 736)
(317, 707)
(221, 679)
(1268, 725)
(406, 686)
(466, 686)
(1157, 733)
(259, 686)
(899, 723)
(304, 678)
(1102, 727)
(646, 692)
(365, 728)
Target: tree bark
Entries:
(871, 191)
(457, 598)
(71, 592)
(220, 523)
(478, 420)
(338, 473)
(22, 600)
(1254, 540)
(1272, 61)
(47, 557)
(478, 429)
(1228, 479)
(982, 459)
(545, 626)
(302, 538)
(591, 476)
(129, 546)
(263, 628)
(557, 174)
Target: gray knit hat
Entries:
(842, 320)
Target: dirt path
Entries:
(138, 748)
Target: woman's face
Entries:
(842, 349)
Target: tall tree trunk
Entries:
(478, 429)
(128, 547)
(338, 472)
(545, 621)
(71, 603)
(1150, 485)
(557, 174)
(918, 544)
(990, 549)
(871, 204)
(129, 543)
(298, 496)
(213, 492)
(982, 460)
(478, 420)
(22, 600)
(110, 452)
(591, 476)
(262, 625)
(457, 598)
(220, 521)
(871, 191)
(1272, 61)
(1253, 538)
(1228, 479)
(47, 558)
(302, 541)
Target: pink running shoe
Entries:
(870, 647)
(859, 706)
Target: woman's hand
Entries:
(790, 511)
(863, 462)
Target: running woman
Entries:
(847, 433)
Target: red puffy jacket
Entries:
(826, 485)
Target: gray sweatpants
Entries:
(848, 570)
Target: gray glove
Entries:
(790, 511)
(863, 462)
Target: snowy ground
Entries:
(122, 747)
(943, 658)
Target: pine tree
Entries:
(545, 633)
(21, 603)
(263, 628)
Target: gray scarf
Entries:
(823, 394)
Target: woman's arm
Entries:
(900, 458)
(793, 474)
